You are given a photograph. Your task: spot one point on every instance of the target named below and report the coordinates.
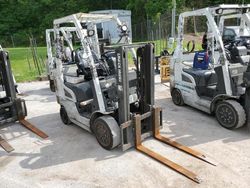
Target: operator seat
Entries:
(110, 58)
(202, 75)
(200, 71)
(67, 56)
(82, 64)
(101, 65)
(204, 80)
(201, 60)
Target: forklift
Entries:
(12, 108)
(214, 80)
(102, 94)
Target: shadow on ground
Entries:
(71, 143)
(193, 127)
(65, 144)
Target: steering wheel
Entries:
(188, 46)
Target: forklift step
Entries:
(156, 127)
(34, 129)
(5, 145)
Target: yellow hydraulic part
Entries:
(165, 69)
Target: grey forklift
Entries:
(102, 94)
(12, 108)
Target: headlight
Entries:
(124, 28)
(91, 32)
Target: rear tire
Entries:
(107, 132)
(64, 116)
(177, 97)
(52, 85)
(230, 114)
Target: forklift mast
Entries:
(146, 120)
(6, 75)
(11, 107)
(145, 79)
(144, 82)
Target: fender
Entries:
(220, 98)
(94, 116)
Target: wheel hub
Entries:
(102, 134)
(226, 115)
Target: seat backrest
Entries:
(201, 60)
(67, 54)
(80, 62)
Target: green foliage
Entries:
(156, 7)
(138, 10)
(151, 9)
(19, 19)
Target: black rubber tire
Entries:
(52, 85)
(230, 114)
(177, 97)
(107, 132)
(64, 116)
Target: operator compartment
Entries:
(78, 78)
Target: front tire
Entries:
(230, 114)
(177, 97)
(107, 132)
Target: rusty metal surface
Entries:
(137, 130)
(169, 163)
(186, 149)
(194, 153)
(5, 145)
(159, 157)
(146, 115)
(34, 129)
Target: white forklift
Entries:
(216, 79)
(100, 93)
(235, 25)
(83, 77)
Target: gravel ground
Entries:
(71, 157)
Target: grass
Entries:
(24, 69)
(22, 63)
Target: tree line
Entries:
(20, 19)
